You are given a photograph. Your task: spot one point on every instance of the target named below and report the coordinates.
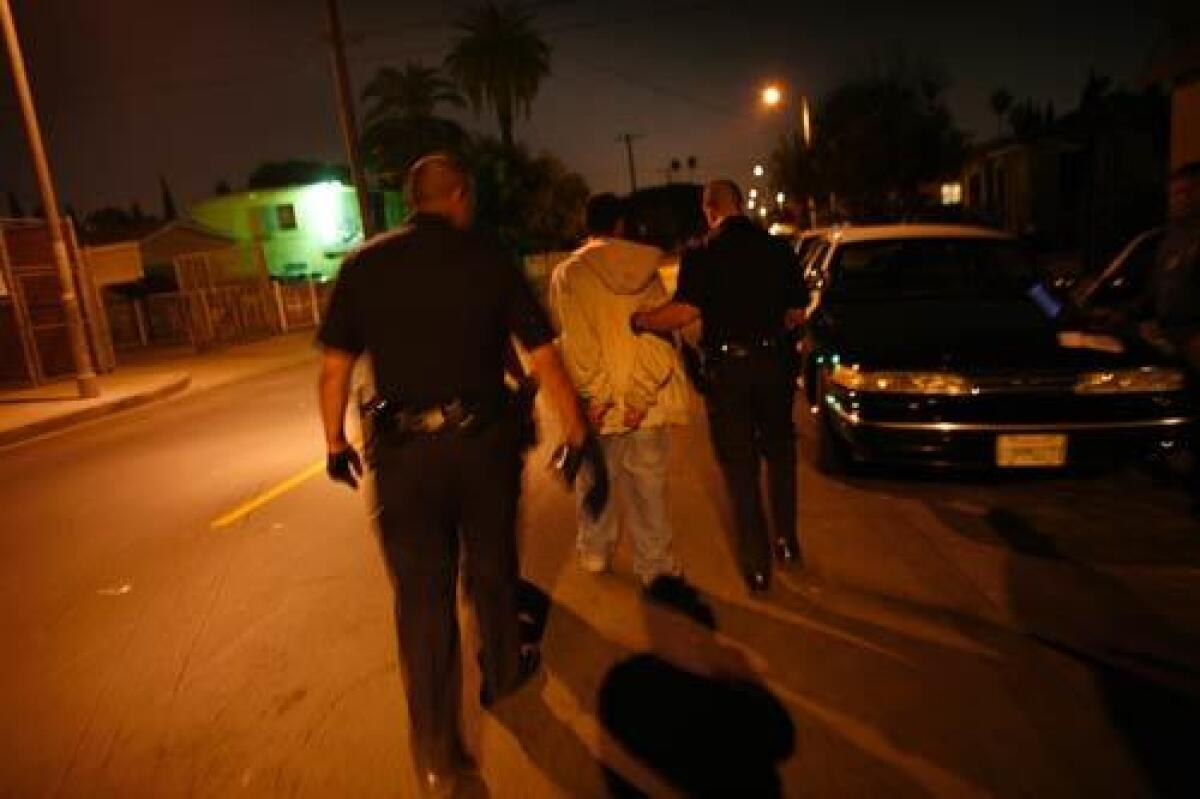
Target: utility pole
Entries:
(628, 139)
(85, 375)
(345, 97)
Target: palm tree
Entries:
(1000, 102)
(401, 122)
(410, 93)
(691, 165)
(500, 62)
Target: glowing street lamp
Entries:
(772, 95)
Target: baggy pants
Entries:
(750, 402)
(436, 493)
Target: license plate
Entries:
(1031, 450)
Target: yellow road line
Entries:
(248, 507)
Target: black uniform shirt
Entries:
(743, 280)
(1176, 283)
(433, 306)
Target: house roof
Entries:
(149, 230)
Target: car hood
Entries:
(969, 336)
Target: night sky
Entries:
(203, 91)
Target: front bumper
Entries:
(964, 432)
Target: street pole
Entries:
(628, 139)
(345, 98)
(805, 125)
(85, 375)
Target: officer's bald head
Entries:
(722, 198)
(437, 184)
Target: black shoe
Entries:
(787, 552)
(758, 582)
(530, 662)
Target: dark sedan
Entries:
(936, 345)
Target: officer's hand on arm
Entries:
(342, 463)
(667, 318)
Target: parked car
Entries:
(938, 345)
(1125, 277)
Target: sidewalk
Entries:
(144, 378)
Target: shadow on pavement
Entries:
(708, 728)
(1146, 670)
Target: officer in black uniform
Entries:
(746, 288)
(1176, 288)
(434, 305)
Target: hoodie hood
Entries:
(625, 267)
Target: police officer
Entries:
(434, 304)
(1176, 287)
(746, 288)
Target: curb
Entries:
(54, 424)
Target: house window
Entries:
(285, 216)
(952, 194)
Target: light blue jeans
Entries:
(637, 472)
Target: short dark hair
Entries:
(603, 213)
(724, 190)
(1188, 171)
(435, 177)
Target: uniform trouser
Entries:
(435, 492)
(750, 417)
(637, 470)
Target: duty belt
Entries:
(457, 414)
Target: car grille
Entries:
(1025, 382)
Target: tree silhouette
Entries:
(401, 121)
(691, 165)
(1000, 102)
(168, 200)
(499, 61)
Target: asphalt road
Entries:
(1036, 636)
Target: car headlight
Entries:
(855, 379)
(1132, 381)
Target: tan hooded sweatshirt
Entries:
(593, 293)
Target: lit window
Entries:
(285, 215)
(952, 194)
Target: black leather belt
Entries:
(455, 415)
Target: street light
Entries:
(780, 198)
(772, 97)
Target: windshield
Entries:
(930, 268)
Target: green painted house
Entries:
(304, 231)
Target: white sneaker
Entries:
(593, 562)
